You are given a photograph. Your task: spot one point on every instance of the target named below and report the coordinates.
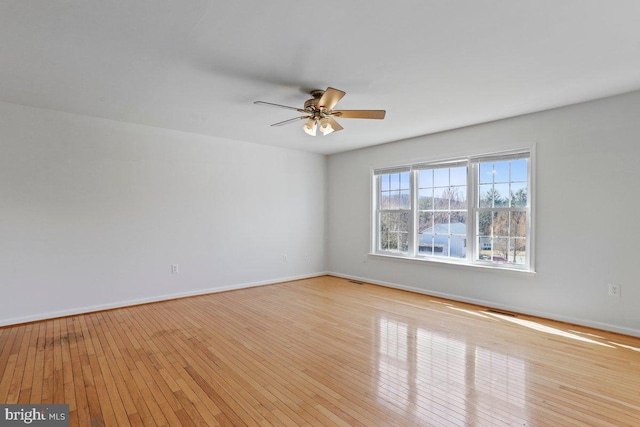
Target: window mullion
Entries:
(502, 209)
(413, 225)
(377, 210)
(472, 184)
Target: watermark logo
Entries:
(34, 415)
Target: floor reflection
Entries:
(547, 329)
(444, 380)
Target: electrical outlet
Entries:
(174, 269)
(614, 290)
(284, 258)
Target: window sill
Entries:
(450, 263)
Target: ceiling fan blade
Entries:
(278, 105)
(330, 98)
(360, 114)
(335, 125)
(286, 122)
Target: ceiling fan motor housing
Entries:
(317, 93)
(312, 103)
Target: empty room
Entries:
(319, 214)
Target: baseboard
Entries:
(506, 307)
(157, 298)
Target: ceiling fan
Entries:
(319, 113)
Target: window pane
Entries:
(517, 251)
(519, 194)
(441, 177)
(486, 173)
(441, 223)
(502, 236)
(425, 178)
(485, 223)
(485, 196)
(387, 222)
(501, 224)
(441, 245)
(458, 197)
(404, 181)
(405, 199)
(384, 200)
(459, 176)
(425, 244)
(384, 182)
(395, 192)
(501, 171)
(404, 242)
(485, 250)
(383, 230)
(501, 195)
(484, 247)
(393, 231)
(518, 226)
(458, 222)
(519, 170)
(500, 249)
(441, 199)
(393, 242)
(425, 199)
(393, 199)
(425, 223)
(458, 239)
(394, 180)
(458, 246)
(384, 240)
(403, 221)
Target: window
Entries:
(442, 211)
(471, 211)
(501, 211)
(394, 213)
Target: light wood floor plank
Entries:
(318, 352)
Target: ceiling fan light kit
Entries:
(310, 127)
(325, 126)
(319, 112)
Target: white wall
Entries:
(93, 213)
(588, 200)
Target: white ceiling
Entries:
(198, 65)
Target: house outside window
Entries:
(475, 211)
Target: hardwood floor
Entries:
(321, 351)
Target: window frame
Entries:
(376, 220)
(472, 255)
(432, 167)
